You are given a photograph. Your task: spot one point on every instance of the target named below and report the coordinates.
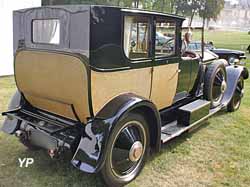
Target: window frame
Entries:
(149, 42)
(43, 43)
(175, 54)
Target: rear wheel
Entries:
(238, 94)
(215, 83)
(126, 150)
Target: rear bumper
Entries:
(41, 132)
(85, 143)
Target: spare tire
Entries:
(215, 83)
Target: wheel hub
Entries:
(223, 86)
(136, 151)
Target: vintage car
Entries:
(92, 81)
(232, 56)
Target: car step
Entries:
(195, 112)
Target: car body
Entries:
(228, 54)
(87, 85)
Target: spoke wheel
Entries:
(238, 94)
(219, 86)
(126, 151)
(215, 83)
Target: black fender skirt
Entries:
(91, 152)
(233, 74)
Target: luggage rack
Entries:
(40, 120)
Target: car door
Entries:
(165, 63)
(184, 76)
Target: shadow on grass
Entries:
(57, 172)
(171, 145)
(177, 141)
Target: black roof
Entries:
(81, 7)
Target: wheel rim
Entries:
(219, 86)
(239, 92)
(128, 149)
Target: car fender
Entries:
(233, 74)
(90, 154)
(10, 125)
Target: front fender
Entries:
(91, 152)
(10, 125)
(233, 74)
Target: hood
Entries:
(221, 50)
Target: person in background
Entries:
(186, 41)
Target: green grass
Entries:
(215, 155)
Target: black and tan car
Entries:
(94, 81)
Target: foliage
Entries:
(210, 9)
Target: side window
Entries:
(46, 31)
(136, 35)
(165, 37)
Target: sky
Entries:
(244, 2)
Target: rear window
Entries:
(46, 31)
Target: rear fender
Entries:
(91, 152)
(233, 74)
(11, 125)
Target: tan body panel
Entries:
(53, 82)
(107, 85)
(164, 85)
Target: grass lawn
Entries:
(217, 154)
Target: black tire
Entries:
(215, 83)
(235, 102)
(119, 169)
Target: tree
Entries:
(188, 8)
(210, 9)
(207, 9)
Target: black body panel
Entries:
(226, 53)
(91, 152)
(192, 112)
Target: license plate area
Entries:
(43, 140)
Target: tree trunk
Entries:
(118, 2)
(162, 5)
(203, 21)
(191, 19)
(208, 20)
(137, 4)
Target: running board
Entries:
(174, 129)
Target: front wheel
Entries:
(126, 150)
(215, 83)
(238, 94)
